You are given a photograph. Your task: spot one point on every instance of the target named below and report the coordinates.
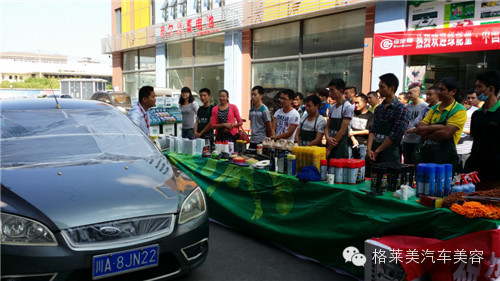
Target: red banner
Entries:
(474, 256)
(433, 41)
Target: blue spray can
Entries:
(429, 179)
(440, 179)
(448, 177)
(420, 179)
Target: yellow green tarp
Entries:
(315, 219)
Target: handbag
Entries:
(242, 135)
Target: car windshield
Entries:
(120, 99)
(70, 137)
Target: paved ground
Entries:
(236, 257)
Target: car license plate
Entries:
(121, 262)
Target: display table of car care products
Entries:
(165, 118)
(314, 218)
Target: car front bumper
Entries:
(179, 253)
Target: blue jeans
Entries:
(358, 153)
(188, 133)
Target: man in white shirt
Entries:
(139, 112)
(411, 141)
(464, 145)
(287, 118)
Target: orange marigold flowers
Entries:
(474, 209)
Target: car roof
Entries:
(38, 104)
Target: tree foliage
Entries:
(33, 83)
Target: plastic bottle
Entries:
(448, 177)
(323, 163)
(291, 164)
(440, 178)
(230, 147)
(259, 149)
(420, 179)
(272, 163)
(457, 187)
(429, 179)
(467, 186)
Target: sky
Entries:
(73, 28)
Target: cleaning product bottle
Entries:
(457, 187)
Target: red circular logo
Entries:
(386, 44)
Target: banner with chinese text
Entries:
(433, 41)
(474, 256)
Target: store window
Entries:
(283, 74)
(182, 8)
(319, 71)
(209, 50)
(211, 77)
(463, 66)
(180, 53)
(201, 67)
(280, 40)
(138, 70)
(330, 47)
(147, 58)
(178, 78)
(334, 32)
(130, 61)
(131, 84)
(118, 20)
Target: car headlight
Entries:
(17, 230)
(194, 206)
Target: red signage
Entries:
(433, 41)
(189, 27)
(474, 256)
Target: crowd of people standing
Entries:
(411, 127)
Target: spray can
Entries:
(448, 178)
(440, 177)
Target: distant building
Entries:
(17, 66)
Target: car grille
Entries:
(168, 264)
(118, 232)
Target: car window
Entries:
(120, 98)
(69, 136)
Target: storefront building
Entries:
(236, 45)
(301, 45)
(441, 39)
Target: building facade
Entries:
(17, 67)
(301, 45)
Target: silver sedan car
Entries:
(85, 195)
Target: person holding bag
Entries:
(226, 119)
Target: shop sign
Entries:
(189, 27)
(473, 256)
(433, 41)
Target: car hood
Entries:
(72, 196)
